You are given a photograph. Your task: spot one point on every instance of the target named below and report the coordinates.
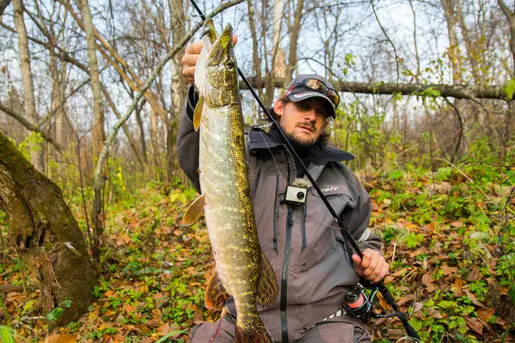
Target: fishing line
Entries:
(345, 232)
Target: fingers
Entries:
(194, 48)
(189, 60)
(372, 267)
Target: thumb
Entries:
(356, 259)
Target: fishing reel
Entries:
(358, 303)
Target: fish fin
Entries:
(194, 211)
(216, 294)
(198, 113)
(267, 289)
(253, 335)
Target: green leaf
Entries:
(396, 174)
(415, 323)
(6, 334)
(67, 303)
(55, 314)
(447, 304)
(178, 197)
(396, 97)
(349, 59)
(172, 334)
(509, 89)
(430, 92)
(377, 84)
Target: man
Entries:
(300, 239)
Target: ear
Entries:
(279, 107)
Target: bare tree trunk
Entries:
(141, 131)
(156, 147)
(179, 87)
(98, 124)
(453, 51)
(472, 49)
(278, 54)
(454, 57)
(125, 129)
(46, 235)
(510, 16)
(98, 114)
(36, 151)
(256, 60)
(509, 116)
(294, 38)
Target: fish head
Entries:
(216, 73)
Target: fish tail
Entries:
(252, 334)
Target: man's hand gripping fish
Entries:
(242, 270)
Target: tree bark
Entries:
(98, 114)
(294, 38)
(3, 6)
(471, 46)
(45, 234)
(179, 86)
(510, 113)
(510, 16)
(139, 120)
(454, 91)
(98, 124)
(36, 151)
(453, 51)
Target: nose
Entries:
(309, 115)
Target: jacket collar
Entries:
(260, 140)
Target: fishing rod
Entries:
(380, 286)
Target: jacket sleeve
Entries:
(358, 219)
(187, 140)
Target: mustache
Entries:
(310, 124)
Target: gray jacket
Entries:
(302, 242)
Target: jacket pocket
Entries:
(320, 229)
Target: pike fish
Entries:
(242, 270)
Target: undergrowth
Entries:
(449, 238)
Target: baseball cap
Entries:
(307, 86)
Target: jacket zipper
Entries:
(275, 213)
(284, 278)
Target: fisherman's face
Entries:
(302, 121)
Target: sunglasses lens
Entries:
(316, 85)
(333, 96)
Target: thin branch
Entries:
(460, 120)
(465, 176)
(3, 6)
(505, 9)
(387, 38)
(148, 83)
(31, 127)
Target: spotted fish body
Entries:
(242, 270)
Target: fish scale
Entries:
(242, 270)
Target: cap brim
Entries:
(296, 97)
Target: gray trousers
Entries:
(336, 330)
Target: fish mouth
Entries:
(222, 48)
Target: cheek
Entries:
(321, 123)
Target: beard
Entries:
(301, 143)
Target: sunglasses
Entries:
(320, 87)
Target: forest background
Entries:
(91, 94)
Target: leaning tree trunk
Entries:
(46, 235)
